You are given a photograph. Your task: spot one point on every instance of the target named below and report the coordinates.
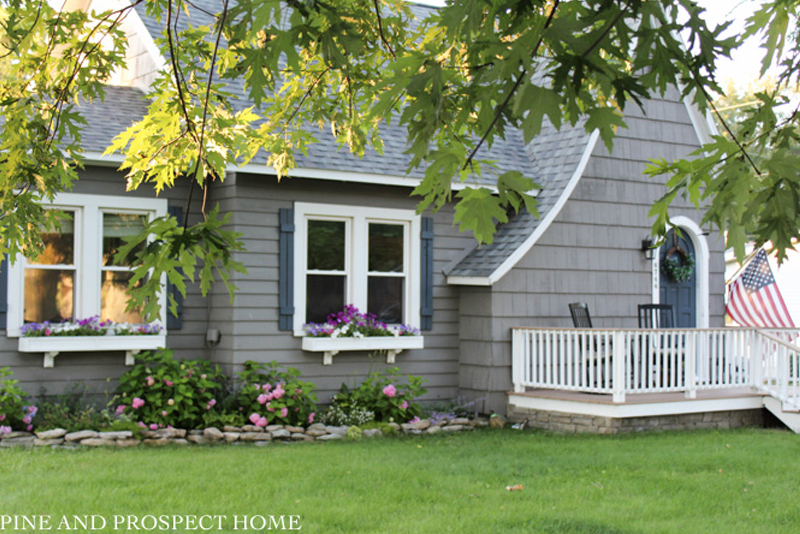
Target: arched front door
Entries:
(676, 288)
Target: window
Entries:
(368, 257)
(75, 276)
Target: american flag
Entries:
(754, 298)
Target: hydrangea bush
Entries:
(160, 391)
(15, 412)
(385, 395)
(91, 326)
(269, 396)
(350, 322)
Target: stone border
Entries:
(251, 434)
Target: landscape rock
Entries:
(299, 436)
(280, 433)
(128, 442)
(255, 436)
(230, 437)
(38, 442)
(434, 429)
(330, 437)
(452, 428)
(315, 433)
(124, 434)
(317, 426)
(171, 433)
(80, 435)
(97, 442)
(157, 442)
(252, 428)
(460, 421)
(373, 433)
(213, 434)
(273, 428)
(18, 434)
(51, 434)
(295, 429)
(228, 428)
(422, 425)
(340, 430)
(21, 441)
(198, 440)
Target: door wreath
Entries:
(679, 264)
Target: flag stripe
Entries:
(754, 298)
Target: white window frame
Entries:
(357, 219)
(88, 211)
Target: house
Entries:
(586, 245)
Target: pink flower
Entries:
(311, 417)
(254, 418)
(412, 421)
(47, 332)
(120, 409)
(30, 427)
(26, 419)
(262, 422)
(258, 387)
(137, 403)
(164, 413)
(2, 417)
(5, 430)
(142, 425)
(278, 393)
(270, 408)
(212, 402)
(284, 412)
(150, 381)
(153, 426)
(390, 391)
(262, 399)
(32, 410)
(203, 376)
(404, 405)
(267, 387)
(168, 382)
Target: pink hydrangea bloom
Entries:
(404, 405)
(137, 403)
(311, 417)
(5, 430)
(279, 391)
(150, 381)
(284, 412)
(254, 417)
(153, 426)
(168, 382)
(267, 387)
(262, 422)
(262, 399)
(390, 390)
(141, 424)
(412, 421)
(32, 410)
(212, 402)
(203, 376)
(30, 427)
(270, 408)
(26, 419)
(164, 413)
(120, 409)
(2, 417)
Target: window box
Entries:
(52, 346)
(332, 346)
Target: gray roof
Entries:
(551, 159)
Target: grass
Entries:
(732, 481)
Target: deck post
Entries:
(756, 359)
(690, 365)
(618, 367)
(518, 339)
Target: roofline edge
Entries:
(528, 244)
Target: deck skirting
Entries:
(574, 413)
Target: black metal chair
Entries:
(580, 315)
(656, 316)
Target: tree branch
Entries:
(380, 29)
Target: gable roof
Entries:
(555, 160)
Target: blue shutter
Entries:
(175, 322)
(286, 270)
(426, 290)
(3, 291)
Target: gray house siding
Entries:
(590, 253)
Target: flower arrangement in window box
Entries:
(91, 326)
(89, 335)
(352, 330)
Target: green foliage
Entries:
(13, 406)
(383, 394)
(72, 410)
(162, 391)
(345, 410)
(270, 396)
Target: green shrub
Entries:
(346, 411)
(384, 395)
(72, 410)
(161, 391)
(15, 412)
(269, 396)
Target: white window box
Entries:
(332, 346)
(51, 346)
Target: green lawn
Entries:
(697, 482)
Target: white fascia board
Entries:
(703, 125)
(523, 249)
(469, 281)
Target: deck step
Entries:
(789, 418)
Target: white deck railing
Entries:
(620, 362)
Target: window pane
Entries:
(113, 299)
(385, 298)
(386, 248)
(59, 248)
(116, 227)
(49, 295)
(326, 245)
(324, 296)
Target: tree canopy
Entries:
(457, 80)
